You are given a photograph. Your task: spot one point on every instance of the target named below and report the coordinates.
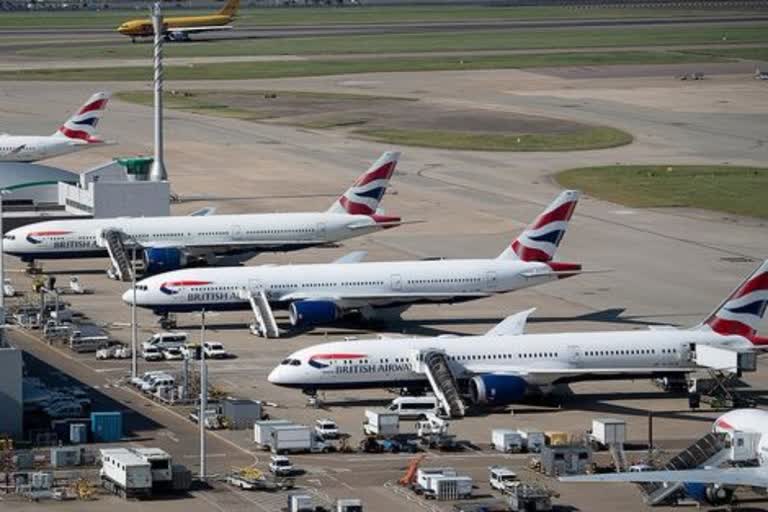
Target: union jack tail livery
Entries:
(81, 126)
(742, 311)
(540, 240)
(363, 197)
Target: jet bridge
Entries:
(434, 364)
(724, 359)
(723, 368)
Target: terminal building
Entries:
(119, 188)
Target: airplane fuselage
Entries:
(29, 148)
(217, 234)
(349, 285)
(566, 357)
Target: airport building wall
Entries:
(11, 394)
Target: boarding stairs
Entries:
(619, 456)
(443, 383)
(114, 241)
(710, 450)
(264, 320)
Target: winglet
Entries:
(352, 257)
(513, 325)
(203, 212)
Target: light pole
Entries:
(2, 270)
(134, 326)
(201, 417)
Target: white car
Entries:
(214, 350)
(8, 289)
(281, 465)
(173, 354)
(144, 378)
(326, 429)
(162, 379)
(152, 354)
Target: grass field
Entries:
(736, 190)
(589, 138)
(366, 14)
(736, 53)
(284, 69)
(428, 42)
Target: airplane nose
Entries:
(128, 296)
(274, 376)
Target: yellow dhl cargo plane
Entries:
(178, 28)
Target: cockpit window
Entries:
(285, 361)
(10, 237)
(295, 362)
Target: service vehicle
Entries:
(281, 465)
(214, 350)
(326, 429)
(163, 340)
(172, 354)
(152, 354)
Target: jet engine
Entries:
(495, 389)
(163, 259)
(312, 312)
(711, 494)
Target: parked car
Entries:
(163, 340)
(152, 354)
(281, 465)
(172, 354)
(144, 377)
(214, 350)
(162, 379)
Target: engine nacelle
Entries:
(709, 493)
(312, 312)
(495, 389)
(163, 259)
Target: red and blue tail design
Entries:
(742, 311)
(363, 197)
(540, 240)
(81, 126)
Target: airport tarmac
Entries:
(668, 266)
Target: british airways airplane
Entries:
(503, 366)
(78, 132)
(168, 243)
(322, 293)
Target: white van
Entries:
(163, 340)
(416, 407)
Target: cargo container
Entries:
(349, 505)
(290, 438)
(381, 423)
(300, 503)
(241, 414)
(263, 428)
(124, 473)
(78, 433)
(160, 466)
(449, 488)
(64, 456)
(533, 440)
(424, 474)
(182, 478)
(608, 431)
(107, 427)
(507, 441)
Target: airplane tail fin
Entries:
(81, 126)
(540, 240)
(230, 8)
(742, 311)
(364, 196)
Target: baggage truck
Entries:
(290, 438)
(381, 423)
(125, 473)
(263, 428)
(533, 440)
(449, 488)
(608, 431)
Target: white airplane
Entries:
(502, 366)
(711, 485)
(167, 243)
(78, 132)
(322, 293)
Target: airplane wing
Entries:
(353, 257)
(513, 325)
(555, 372)
(752, 477)
(203, 212)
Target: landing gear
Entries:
(168, 321)
(312, 398)
(33, 269)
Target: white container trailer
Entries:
(424, 474)
(300, 503)
(290, 438)
(507, 441)
(263, 428)
(608, 431)
(160, 463)
(533, 440)
(125, 473)
(450, 488)
(349, 505)
(381, 423)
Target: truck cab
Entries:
(502, 479)
(280, 465)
